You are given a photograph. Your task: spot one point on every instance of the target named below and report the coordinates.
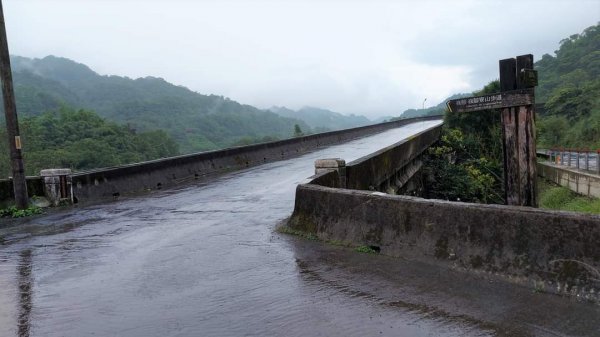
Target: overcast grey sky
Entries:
(366, 57)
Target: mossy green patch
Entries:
(13, 212)
(288, 230)
(365, 249)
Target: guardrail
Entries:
(581, 159)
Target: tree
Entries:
(298, 131)
(81, 140)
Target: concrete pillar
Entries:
(577, 158)
(57, 185)
(562, 158)
(337, 164)
(587, 160)
(569, 162)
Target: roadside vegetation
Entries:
(13, 212)
(570, 90)
(81, 140)
(561, 198)
(466, 164)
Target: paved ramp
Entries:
(203, 260)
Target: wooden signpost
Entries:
(516, 101)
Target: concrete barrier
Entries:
(577, 181)
(549, 250)
(93, 186)
(391, 167)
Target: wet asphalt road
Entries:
(203, 260)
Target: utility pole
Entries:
(12, 123)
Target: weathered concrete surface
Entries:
(581, 182)
(477, 300)
(57, 185)
(549, 250)
(381, 169)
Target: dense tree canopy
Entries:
(80, 139)
(570, 88)
(467, 164)
(196, 122)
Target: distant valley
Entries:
(197, 122)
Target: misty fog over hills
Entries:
(197, 122)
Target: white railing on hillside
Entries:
(581, 159)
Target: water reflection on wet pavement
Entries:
(202, 260)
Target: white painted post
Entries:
(337, 164)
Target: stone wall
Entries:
(549, 250)
(390, 168)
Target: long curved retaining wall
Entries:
(110, 183)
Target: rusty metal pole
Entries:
(12, 123)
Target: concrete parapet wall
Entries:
(378, 168)
(580, 182)
(394, 165)
(111, 183)
(553, 251)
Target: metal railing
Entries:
(581, 159)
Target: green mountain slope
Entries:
(197, 122)
(82, 140)
(570, 88)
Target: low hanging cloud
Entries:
(373, 58)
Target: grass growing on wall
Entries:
(561, 198)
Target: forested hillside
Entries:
(467, 163)
(570, 88)
(323, 119)
(80, 139)
(197, 122)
